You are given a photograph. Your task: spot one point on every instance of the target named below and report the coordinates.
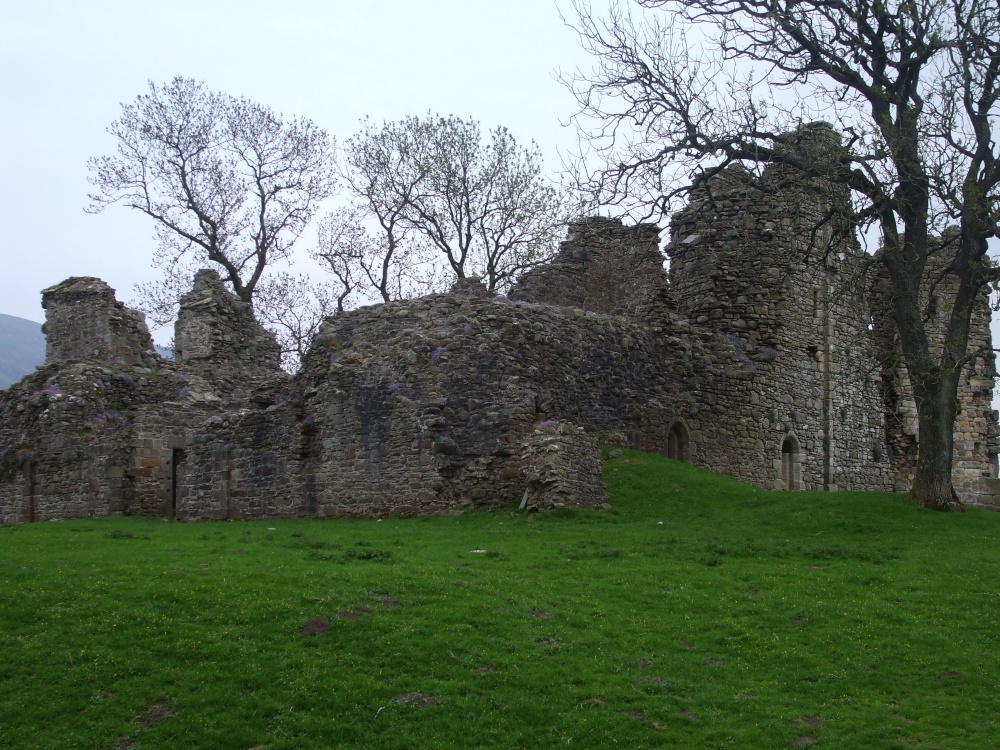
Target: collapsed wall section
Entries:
(602, 266)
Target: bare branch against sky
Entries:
(67, 67)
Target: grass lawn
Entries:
(698, 612)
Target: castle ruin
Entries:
(763, 355)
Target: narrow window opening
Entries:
(177, 460)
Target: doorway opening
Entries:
(790, 467)
(677, 442)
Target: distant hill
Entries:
(22, 348)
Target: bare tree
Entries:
(914, 87)
(294, 308)
(436, 193)
(225, 180)
(385, 261)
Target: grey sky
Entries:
(67, 65)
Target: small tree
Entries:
(436, 194)
(914, 86)
(226, 181)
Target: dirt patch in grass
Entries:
(651, 681)
(802, 741)
(316, 627)
(417, 700)
(643, 664)
(344, 614)
(540, 613)
(640, 715)
(485, 669)
(158, 711)
(807, 720)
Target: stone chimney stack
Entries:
(83, 320)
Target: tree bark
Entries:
(932, 487)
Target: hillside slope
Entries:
(22, 348)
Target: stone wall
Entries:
(83, 320)
(563, 468)
(217, 337)
(68, 440)
(759, 358)
(766, 261)
(602, 266)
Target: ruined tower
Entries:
(771, 262)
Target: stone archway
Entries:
(677, 442)
(791, 464)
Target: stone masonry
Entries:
(759, 356)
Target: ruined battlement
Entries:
(217, 336)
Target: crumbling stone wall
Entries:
(83, 320)
(769, 263)
(759, 359)
(563, 468)
(217, 337)
(424, 405)
(602, 266)
(68, 439)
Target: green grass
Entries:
(696, 613)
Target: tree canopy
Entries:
(439, 201)
(227, 181)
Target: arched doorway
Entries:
(677, 442)
(790, 464)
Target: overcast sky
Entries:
(67, 65)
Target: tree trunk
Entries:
(932, 487)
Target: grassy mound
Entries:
(698, 612)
